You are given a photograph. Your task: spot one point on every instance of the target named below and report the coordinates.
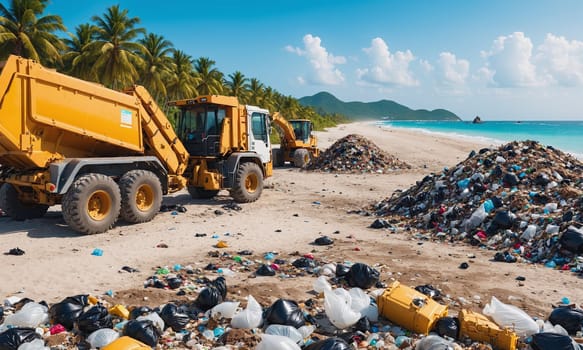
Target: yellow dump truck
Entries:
(298, 145)
(104, 154)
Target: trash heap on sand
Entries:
(356, 154)
(523, 199)
(345, 313)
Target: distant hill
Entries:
(325, 102)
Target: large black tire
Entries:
(13, 207)
(92, 204)
(302, 158)
(201, 193)
(248, 183)
(277, 157)
(141, 196)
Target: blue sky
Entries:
(512, 59)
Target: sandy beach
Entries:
(296, 207)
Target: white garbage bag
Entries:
(337, 305)
(510, 316)
(249, 318)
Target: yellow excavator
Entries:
(298, 145)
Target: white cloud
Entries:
(322, 62)
(426, 65)
(510, 62)
(561, 61)
(452, 71)
(387, 68)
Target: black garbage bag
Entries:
(362, 276)
(504, 257)
(265, 270)
(429, 290)
(139, 311)
(208, 298)
(380, 223)
(510, 179)
(341, 270)
(362, 325)
(569, 318)
(68, 310)
(542, 179)
(221, 285)
(448, 326)
(329, 344)
(303, 263)
(93, 319)
(144, 331)
(174, 282)
(502, 220)
(324, 240)
(173, 318)
(14, 337)
(1, 314)
(551, 341)
(285, 312)
(572, 240)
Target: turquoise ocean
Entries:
(564, 135)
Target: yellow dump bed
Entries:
(47, 116)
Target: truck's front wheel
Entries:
(17, 210)
(92, 204)
(141, 196)
(248, 183)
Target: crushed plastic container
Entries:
(409, 308)
(479, 328)
(126, 343)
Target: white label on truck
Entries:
(126, 118)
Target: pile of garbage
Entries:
(345, 313)
(356, 154)
(523, 199)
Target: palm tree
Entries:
(77, 58)
(238, 86)
(269, 98)
(181, 83)
(209, 79)
(255, 92)
(157, 65)
(117, 60)
(25, 32)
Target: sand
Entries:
(295, 208)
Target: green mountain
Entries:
(324, 102)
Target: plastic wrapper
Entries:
(286, 331)
(226, 309)
(155, 318)
(12, 338)
(321, 284)
(93, 319)
(329, 344)
(251, 317)
(173, 318)
(68, 310)
(144, 331)
(434, 342)
(273, 342)
(359, 300)
(512, 317)
(362, 276)
(37, 344)
(337, 305)
(570, 319)
(102, 337)
(30, 315)
(286, 312)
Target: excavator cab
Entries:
(302, 129)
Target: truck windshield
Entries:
(200, 122)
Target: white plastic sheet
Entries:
(510, 316)
(102, 337)
(286, 331)
(337, 305)
(276, 342)
(31, 315)
(249, 318)
(226, 309)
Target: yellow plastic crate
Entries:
(409, 308)
(479, 328)
(126, 343)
